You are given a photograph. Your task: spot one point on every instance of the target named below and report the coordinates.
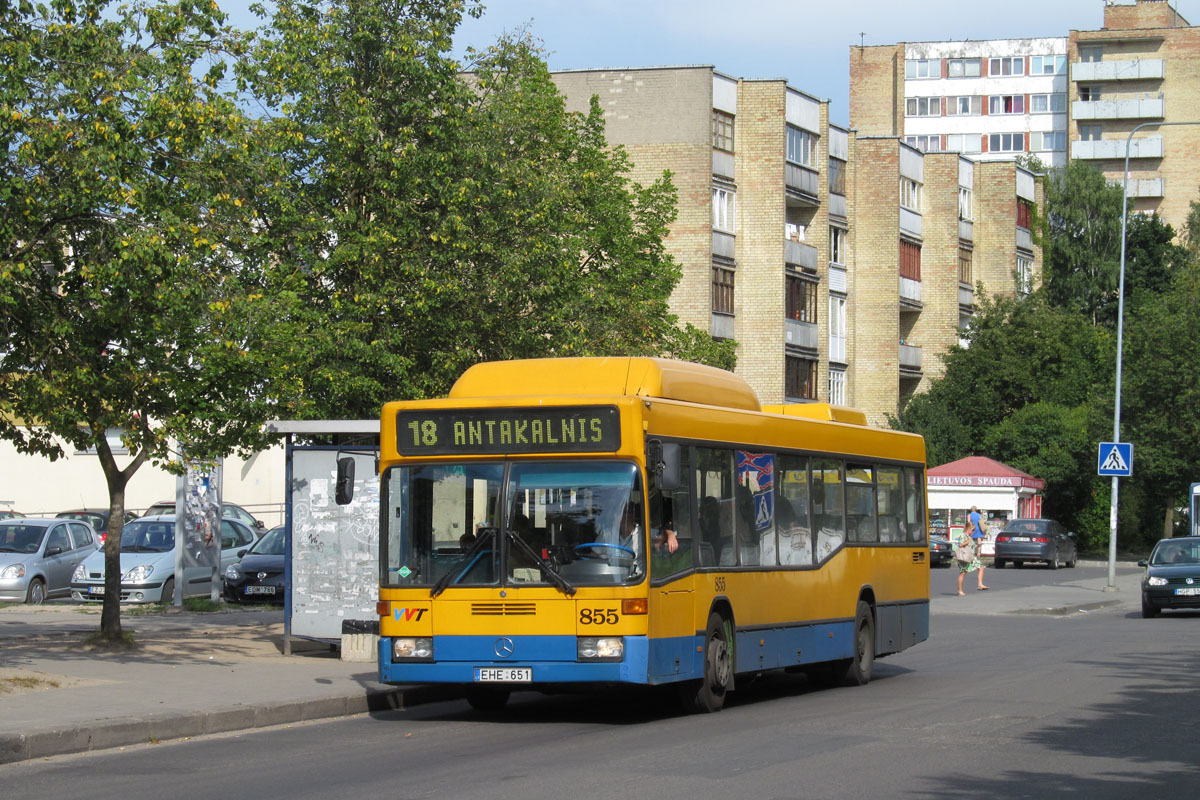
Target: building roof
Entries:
(981, 471)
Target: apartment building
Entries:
(1078, 96)
(988, 99)
(835, 262)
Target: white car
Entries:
(148, 562)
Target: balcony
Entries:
(910, 293)
(910, 222)
(1024, 239)
(797, 254)
(966, 297)
(1146, 69)
(722, 164)
(1143, 147)
(1145, 187)
(1144, 108)
(910, 359)
(721, 326)
(723, 244)
(801, 182)
(966, 230)
(800, 334)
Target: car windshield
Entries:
(1169, 552)
(1024, 527)
(21, 538)
(95, 520)
(272, 543)
(564, 523)
(148, 537)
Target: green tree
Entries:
(125, 302)
(442, 219)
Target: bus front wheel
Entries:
(708, 695)
(864, 645)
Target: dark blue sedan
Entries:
(1172, 578)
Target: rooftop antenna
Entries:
(862, 38)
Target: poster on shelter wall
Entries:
(198, 491)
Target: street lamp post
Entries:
(1112, 513)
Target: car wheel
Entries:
(37, 592)
(1149, 610)
(708, 695)
(1053, 563)
(1018, 564)
(168, 591)
(1074, 560)
(999, 563)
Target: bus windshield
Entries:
(564, 523)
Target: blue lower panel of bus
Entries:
(551, 659)
(773, 648)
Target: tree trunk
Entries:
(1169, 520)
(110, 617)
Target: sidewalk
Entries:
(195, 674)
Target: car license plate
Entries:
(1188, 591)
(1020, 539)
(504, 674)
(260, 590)
(95, 590)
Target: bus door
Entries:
(672, 575)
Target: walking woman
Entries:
(966, 552)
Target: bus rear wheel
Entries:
(708, 695)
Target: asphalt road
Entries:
(1097, 705)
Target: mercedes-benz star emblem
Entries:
(504, 647)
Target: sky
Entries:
(806, 42)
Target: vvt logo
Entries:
(409, 614)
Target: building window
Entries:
(964, 143)
(1089, 93)
(910, 194)
(837, 329)
(1091, 55)
(837, 176)
(1024, 275)
(964, 265)
(801, 299)
(837, 387)
(1006, 143)
(1024, 213)
(910, 260)
(801, 147)
(1006, 104)
(965, 105)
(1048, 103)
(922, 68)
(1047, 140)
(837, 245)
(722, 290)
(723, 202)
(113, 437)
(800, 378)
(926, 144)
(966, 203)
(1047, 65)
(963, 68)
(1006, 66)
(722, 131)
(1089, 133)
(923, 107)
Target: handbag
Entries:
(965, 552)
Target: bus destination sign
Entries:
(491, 431)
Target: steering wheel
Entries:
(601, 545)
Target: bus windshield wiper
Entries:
(558, 580)
(482, 537)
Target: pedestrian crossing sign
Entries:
(1115, 459)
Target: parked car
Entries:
(1022, 540)
(148, 562)
(259, 575)
(96, 517)
(1172, 578)
(940, 550)
(228, 511)
(8, 513)
(37, 557)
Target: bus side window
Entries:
(792, 512)
(714, 486)
(829, 507)
(672, 507)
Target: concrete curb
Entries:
(105, 734)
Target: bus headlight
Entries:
(601, 648)
(410, 647)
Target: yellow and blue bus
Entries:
(641, 521)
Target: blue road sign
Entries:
(1115, 459)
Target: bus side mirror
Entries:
(665, 458)
(344, 491)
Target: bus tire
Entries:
(708, 694)
(487, 698)
(863, 661)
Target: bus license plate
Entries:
(504, 674)
(1190, 591)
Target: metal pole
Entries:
(1112, 513)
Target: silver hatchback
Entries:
(37, 556)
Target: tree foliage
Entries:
(124, 301)
(439, 219)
